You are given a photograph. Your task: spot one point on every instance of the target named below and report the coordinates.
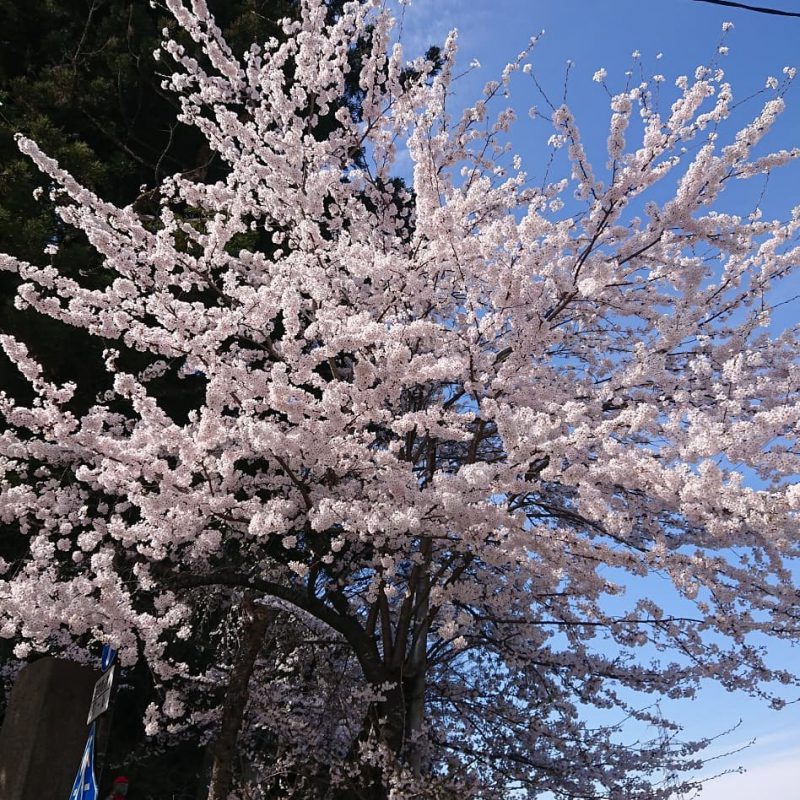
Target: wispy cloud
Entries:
(774, 775)
(428, 23)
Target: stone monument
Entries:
(44, 730)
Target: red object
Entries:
(119, 788)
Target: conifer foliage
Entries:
(439, 429)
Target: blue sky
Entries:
(594, 34)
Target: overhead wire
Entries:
(760, 9)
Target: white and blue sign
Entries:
(85, 786)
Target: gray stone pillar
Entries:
(44, 730)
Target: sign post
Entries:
(85, 786)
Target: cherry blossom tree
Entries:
(443, 429)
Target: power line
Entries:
(760, 9)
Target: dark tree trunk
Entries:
(256, 621)
(417, 666)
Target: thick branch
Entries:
(363, 645)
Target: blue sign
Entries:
(107, 659)
(85, 786)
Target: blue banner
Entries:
(85, 786)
